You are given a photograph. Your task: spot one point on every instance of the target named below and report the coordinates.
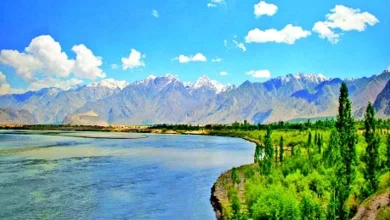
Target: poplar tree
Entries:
(332, 152)
(309, 140)
(371, 156)
(345, 126)
(347, 139)
(388, 152)
(266, 163)
(319, 143)
(281, 150)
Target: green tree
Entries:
(235, 176)
(347, 138)
(258, 153)
(319, 142)
(281, 150)
(347, 133)
(372, 155)
(235, 205)
(332, 152)
(309, 140)
(266, 163)
(388, 152)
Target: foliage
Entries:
(281, 150)
(267, 161)
(371, 156)
(323, 172)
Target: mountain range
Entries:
(166, 99)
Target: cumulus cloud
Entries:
(263, 8)
(344, 19)
(216, 60)
(199, 57)
(215, 3)
(5, 88)
(259, 73)
(87, 64)
(155, 13)
(134, 60)
(49, 53)
(289, 34)
(44, 55)
(25, 65)
(44, 64)
(223, 73)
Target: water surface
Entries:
(90, 175)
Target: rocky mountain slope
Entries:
(382, 103)
(86, 118)
(168, 100)
(11, 116)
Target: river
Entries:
(101, 175)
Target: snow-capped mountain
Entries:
(306, 77)
(165, 99)
(205, 82)
(110, 83)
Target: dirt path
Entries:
(370, 208)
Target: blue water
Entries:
(158, 177)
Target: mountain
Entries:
(109, 83)
(86, 118)
(382, 102)
(51, 105)
(166, 99)
(11, 116)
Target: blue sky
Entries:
(355, 42)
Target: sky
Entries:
(46, 43)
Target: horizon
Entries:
(254, 40)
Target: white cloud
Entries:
(199, 57)
(183, 59)
(345, 19)
(133, 61)
(216, 60)
(223, 73)
(289, 34)
(5, 88)
(49, 53)
(235, 44)
(43, 64)
(325, 32)
(215, 3)
(25, 65)
(263, 8)
(53, 82)
(87, 65)
(259, 73)
(114, 66)
(155, 13)
(44, 55)
(240, 45)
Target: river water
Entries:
(98, 175)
